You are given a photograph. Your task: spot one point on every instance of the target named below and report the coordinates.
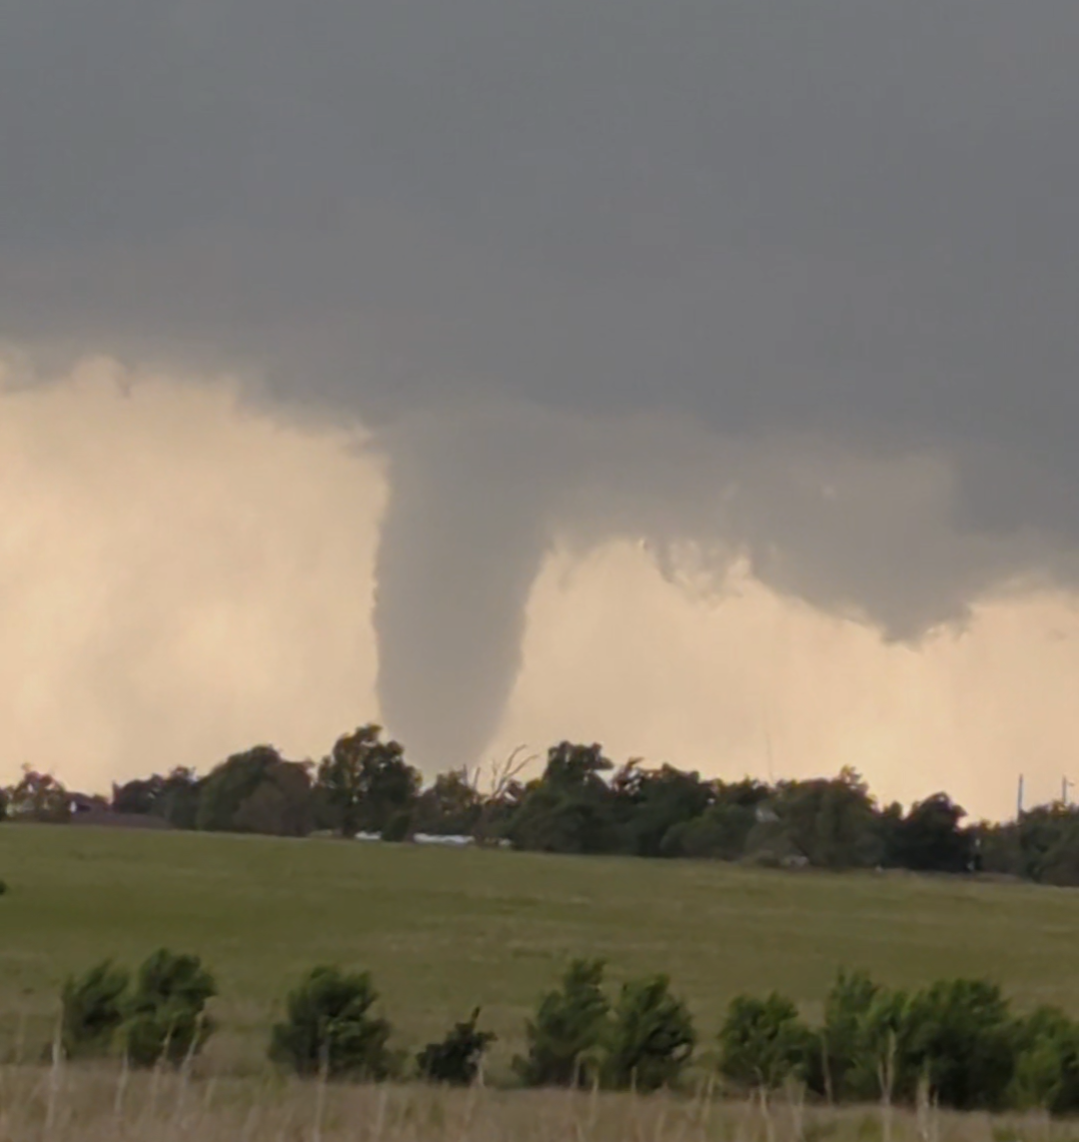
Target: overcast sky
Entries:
(787, 288)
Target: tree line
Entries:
(580, 803)
(955, 1043)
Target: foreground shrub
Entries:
(1046, 1073)
(329, 1028)
(881, 1067)
(763, 1043)
(962, 1038)
(651, 1037)
(567, 1031)
(837, 1070)
(92, 1010)
(166, 1017)
(456, 1059)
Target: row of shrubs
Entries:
(956, 1041)
(159, 1017)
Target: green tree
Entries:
(329, 1028)
(367, 781)
(571, 808)
(178, 802)
(256, 792)
(92, 1010)
(165, 1018)
(456, 1059)
(651, 803)
(38, 797)
(229, 784)
(833, 823)
(881, 1065)
(929, 838)
(139, 797)
(1061, 863)
(1046, 1075)
(962, 1037)
(570, 1024)
(651, 1037)
(720, 832)
(451, 806)
(572, 768)
(1042, 845)
(763, 1043)
(173, 797)
(280, 805)
(845, 1010)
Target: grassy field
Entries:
(86, 1104)
(444, 930)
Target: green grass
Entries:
(444, 930)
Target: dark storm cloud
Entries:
(853, 219)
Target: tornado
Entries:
(462, 542)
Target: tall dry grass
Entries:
(85, 1103)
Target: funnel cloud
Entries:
(462, 541)
(793, 285)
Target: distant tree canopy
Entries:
(652, 803)
(257, 792)
(451, 806)
(37, 797)
(368, 784)
(173, 797)
(570, 809)
(582, 802)
(826, 823)
(929, 839)
(1042, 845)
(832, 823)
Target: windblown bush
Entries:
(565, 1036)
(763, 1043)
(1046, 1073)
(881, 1067)
(456, 1059)
(165, 1017)
(92, 1010)
(837, 1069)
(651, 1037)
(962, 1039)
(957, 1036)
(329, 1028)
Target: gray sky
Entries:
(795, 281)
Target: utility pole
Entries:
(1019, 811)
(1065, 785)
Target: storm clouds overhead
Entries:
(790, 287)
